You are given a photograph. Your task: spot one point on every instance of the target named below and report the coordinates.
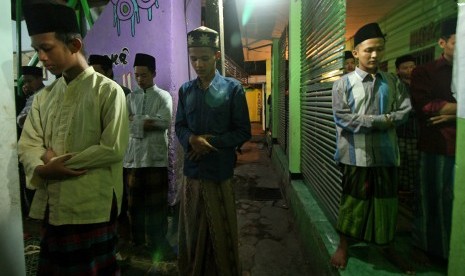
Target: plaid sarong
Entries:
(368, 207)
(82, 249)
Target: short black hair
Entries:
(403, 59)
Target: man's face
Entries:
(53, 53)
(31, 84)
(369, 54)
(349, 65)
(448, 47)
(144, 76)
(405, 70)
(203, 60)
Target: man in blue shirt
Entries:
(212, 120)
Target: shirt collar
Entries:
(214, 83)
(362, 74)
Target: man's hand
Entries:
(55, 168)
(149, 124)
(439, 119)
(200, 146)
(48, 155)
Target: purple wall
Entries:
(157, 28)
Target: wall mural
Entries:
(129, 10)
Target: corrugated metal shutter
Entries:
(283, 99)
(398, 25)
(323, 30)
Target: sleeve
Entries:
(423, 98)
(240, 123)
(114, 137)
(181, 127)
(402, 105)
(348, 120)
(23, 114)
(31, 145)
(164, 112)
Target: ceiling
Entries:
(262, 20)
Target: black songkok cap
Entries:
(368, 31)
(104, 61)
(145, 60)
(203, 37)
(45, 18)
(403, 59)
(448, 27)
(32, 70)
(348, 54)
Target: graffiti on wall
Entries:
(129, 10)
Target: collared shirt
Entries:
(23, 114)
(148, 148)
(431, 90)
(221, 111)
(361, 103)
(88, 119)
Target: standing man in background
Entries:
(368, 104)
(72, 146)
(32, 83)
(436, 106)
(150, 110)
(407, 133)
(349, 62)
(104, 66)
(212, 119)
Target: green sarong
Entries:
(368, 207)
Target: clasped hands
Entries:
(200, 146)
(54, 167)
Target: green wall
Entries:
(294, 86)
(457, 248)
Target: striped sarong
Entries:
(82, 249)
(433, 202)
(368, 207)
(208, 235)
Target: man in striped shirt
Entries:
(368, 105)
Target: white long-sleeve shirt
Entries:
(148, 148)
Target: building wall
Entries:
(457, 249)
(158, 28)
(11, 232)
(421, 17)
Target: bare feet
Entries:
(339, 258)
(392, 256)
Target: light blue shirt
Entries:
(361, 103)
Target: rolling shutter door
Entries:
(323, 30)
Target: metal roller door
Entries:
(323, 30)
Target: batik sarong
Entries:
(208, 239)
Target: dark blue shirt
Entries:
(221, 111)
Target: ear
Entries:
(218, 55)
(75, 45)
(355, 53)
(442, 43)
